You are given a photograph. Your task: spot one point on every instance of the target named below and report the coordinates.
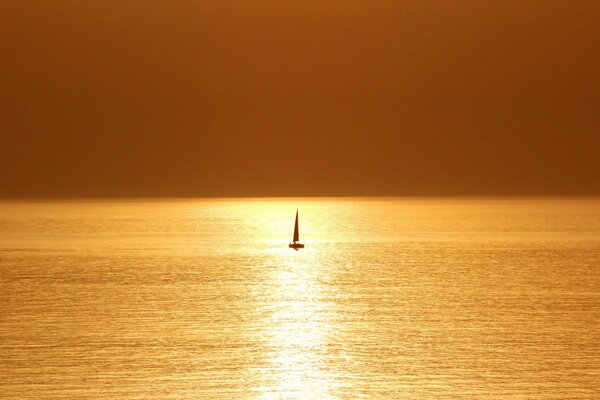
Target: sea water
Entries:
(392, 298)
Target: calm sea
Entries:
(391, 299)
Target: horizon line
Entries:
(259, 197)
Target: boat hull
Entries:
(296, 246)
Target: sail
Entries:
(296, 236)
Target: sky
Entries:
(299, 98)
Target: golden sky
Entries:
(245, 98)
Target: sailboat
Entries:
(296, 243)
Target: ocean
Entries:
(392, 298)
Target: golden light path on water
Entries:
(298, 331)
(298, 316)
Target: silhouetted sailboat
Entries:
(296, 243)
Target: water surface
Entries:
(391, 298)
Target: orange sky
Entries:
(199, 98)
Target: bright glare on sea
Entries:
(390, 299)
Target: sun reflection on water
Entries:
(298, 328)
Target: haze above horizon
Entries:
(336, 98)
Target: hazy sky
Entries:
(201, 98)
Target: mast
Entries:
(296, 236)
